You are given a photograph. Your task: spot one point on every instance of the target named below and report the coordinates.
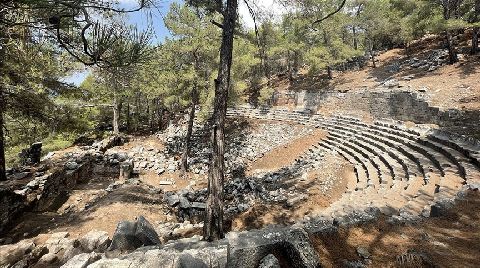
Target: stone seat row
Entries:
(397, 170)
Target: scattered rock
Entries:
(20, 175)
(184, 203)
(173, 200)
(199, 205)
(270, 261)
(95, 241)
(71, 165)
(392, 83)
(14, 253)
(295, 200)
(48, 259)
(82, 260)
(353, 264)
(126, 170)
(363, 252)
(242, 207)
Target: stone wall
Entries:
(392, 104)
(45, 193)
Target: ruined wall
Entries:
(45, 193)
(398, 105)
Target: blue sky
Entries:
(139, 19)
(157, 13)
(160, 31)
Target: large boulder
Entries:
(95, 241)
(132, 235)
(248, 249)
(11, 205)
(10, 254)
(82, 260)
(31, 155)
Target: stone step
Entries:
(370, 170)
(449, 149)
(380, 174)
(351, 185)
(396, 165)
(412, 164)
(421, 156)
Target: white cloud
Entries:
(259, 7)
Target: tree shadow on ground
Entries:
(447, 241)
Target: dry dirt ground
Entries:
(448, 241)
(89, 207)
(335, 171)
(450, 86)
(284, 155)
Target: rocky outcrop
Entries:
(11, 205)
(132, 235)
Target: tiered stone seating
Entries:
(401, 171)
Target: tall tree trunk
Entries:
(3, 175)
(152, 115)
(355, 41)
(476, 30)
(448, 7)
(137, 110)
(191, 118)
(329, 72)
(116, 112)
(159, 114)
(128, 116)
(452, 54)
(213, 225)
(289, 66)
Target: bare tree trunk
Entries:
(213, 225)
(191, 118)
(448, 7)
(128, 116)
(329, 72)
(355, 41)
(153, 112)
(289, 66)
(159, 118)
(476, 30)
(137, 111)
(116, 112)
(452, 54)
(3, 175)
